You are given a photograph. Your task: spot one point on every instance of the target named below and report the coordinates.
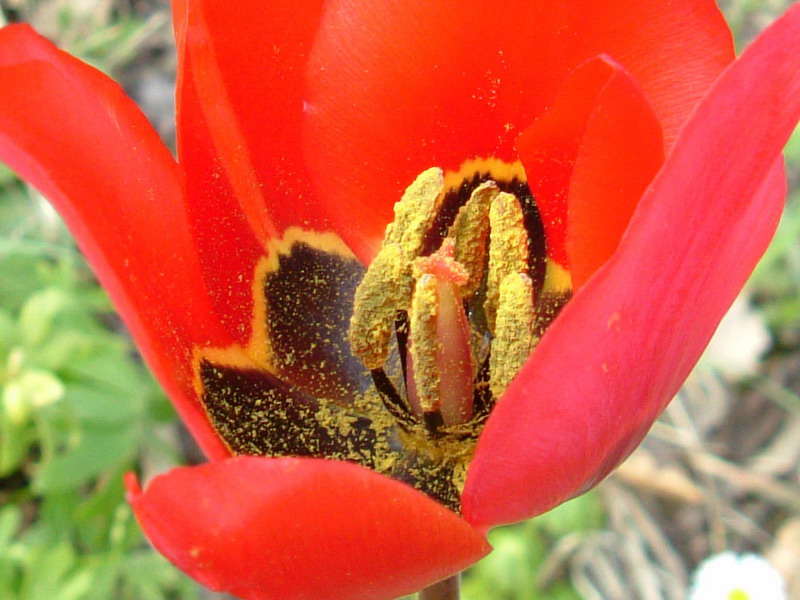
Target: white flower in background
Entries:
(730, 576)
(740, 341)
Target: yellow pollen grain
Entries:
(508, 249)
(375, 305)
(514, 337)
(425, 344)
(471, 230)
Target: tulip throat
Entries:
(459, 286)
(395, 367)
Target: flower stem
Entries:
(447, 589)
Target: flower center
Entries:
(458, 286)
(398, 366)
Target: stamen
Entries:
(471, 302)
(413, 217)
(388, 283)
(414, 213)
(470, 230)
(392, 400)
(425, 345)
(514, 337)
(508, 249)
(375, 305)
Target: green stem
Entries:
(448, 589)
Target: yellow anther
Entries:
(508, 249)
(425, 344)
(413, 218)
(388, 283)
(470, 230)
(413, 215)
(376, 302)
(514, 337)
(484, 257)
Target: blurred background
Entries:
(719, 472)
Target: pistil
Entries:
(442, 365)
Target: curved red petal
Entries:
(624, 344)
(239, 105)
(284, 528)
(228, 248)
(588, 159)
(71, 132)
(621, 151)
(247, 71)
(396, 87)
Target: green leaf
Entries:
(61, 347)
(17, 288)
(10, 521)
(77, 585)
(45, 571)
(6, 175)
(8, 334)
(581, 514)
(93, 404)
(150, 577)
(31, 390)
(15, 440)
(38, 315)
(561, 591)
(102, 575)
(792, 150)
(96, 451)
(509, 572)
(110, 368)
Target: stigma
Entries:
(459, 290)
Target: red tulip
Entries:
(654, 164)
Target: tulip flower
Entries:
(420, 269)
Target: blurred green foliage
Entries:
(77, 410)
(776, 281)
(515, 568)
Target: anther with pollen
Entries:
(467, 309)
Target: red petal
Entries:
(71, 132)
(588, 160)
(226, 243)
(247, 70)
(398, 86)
(238, 138)
(284, 528)
(624, 344)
